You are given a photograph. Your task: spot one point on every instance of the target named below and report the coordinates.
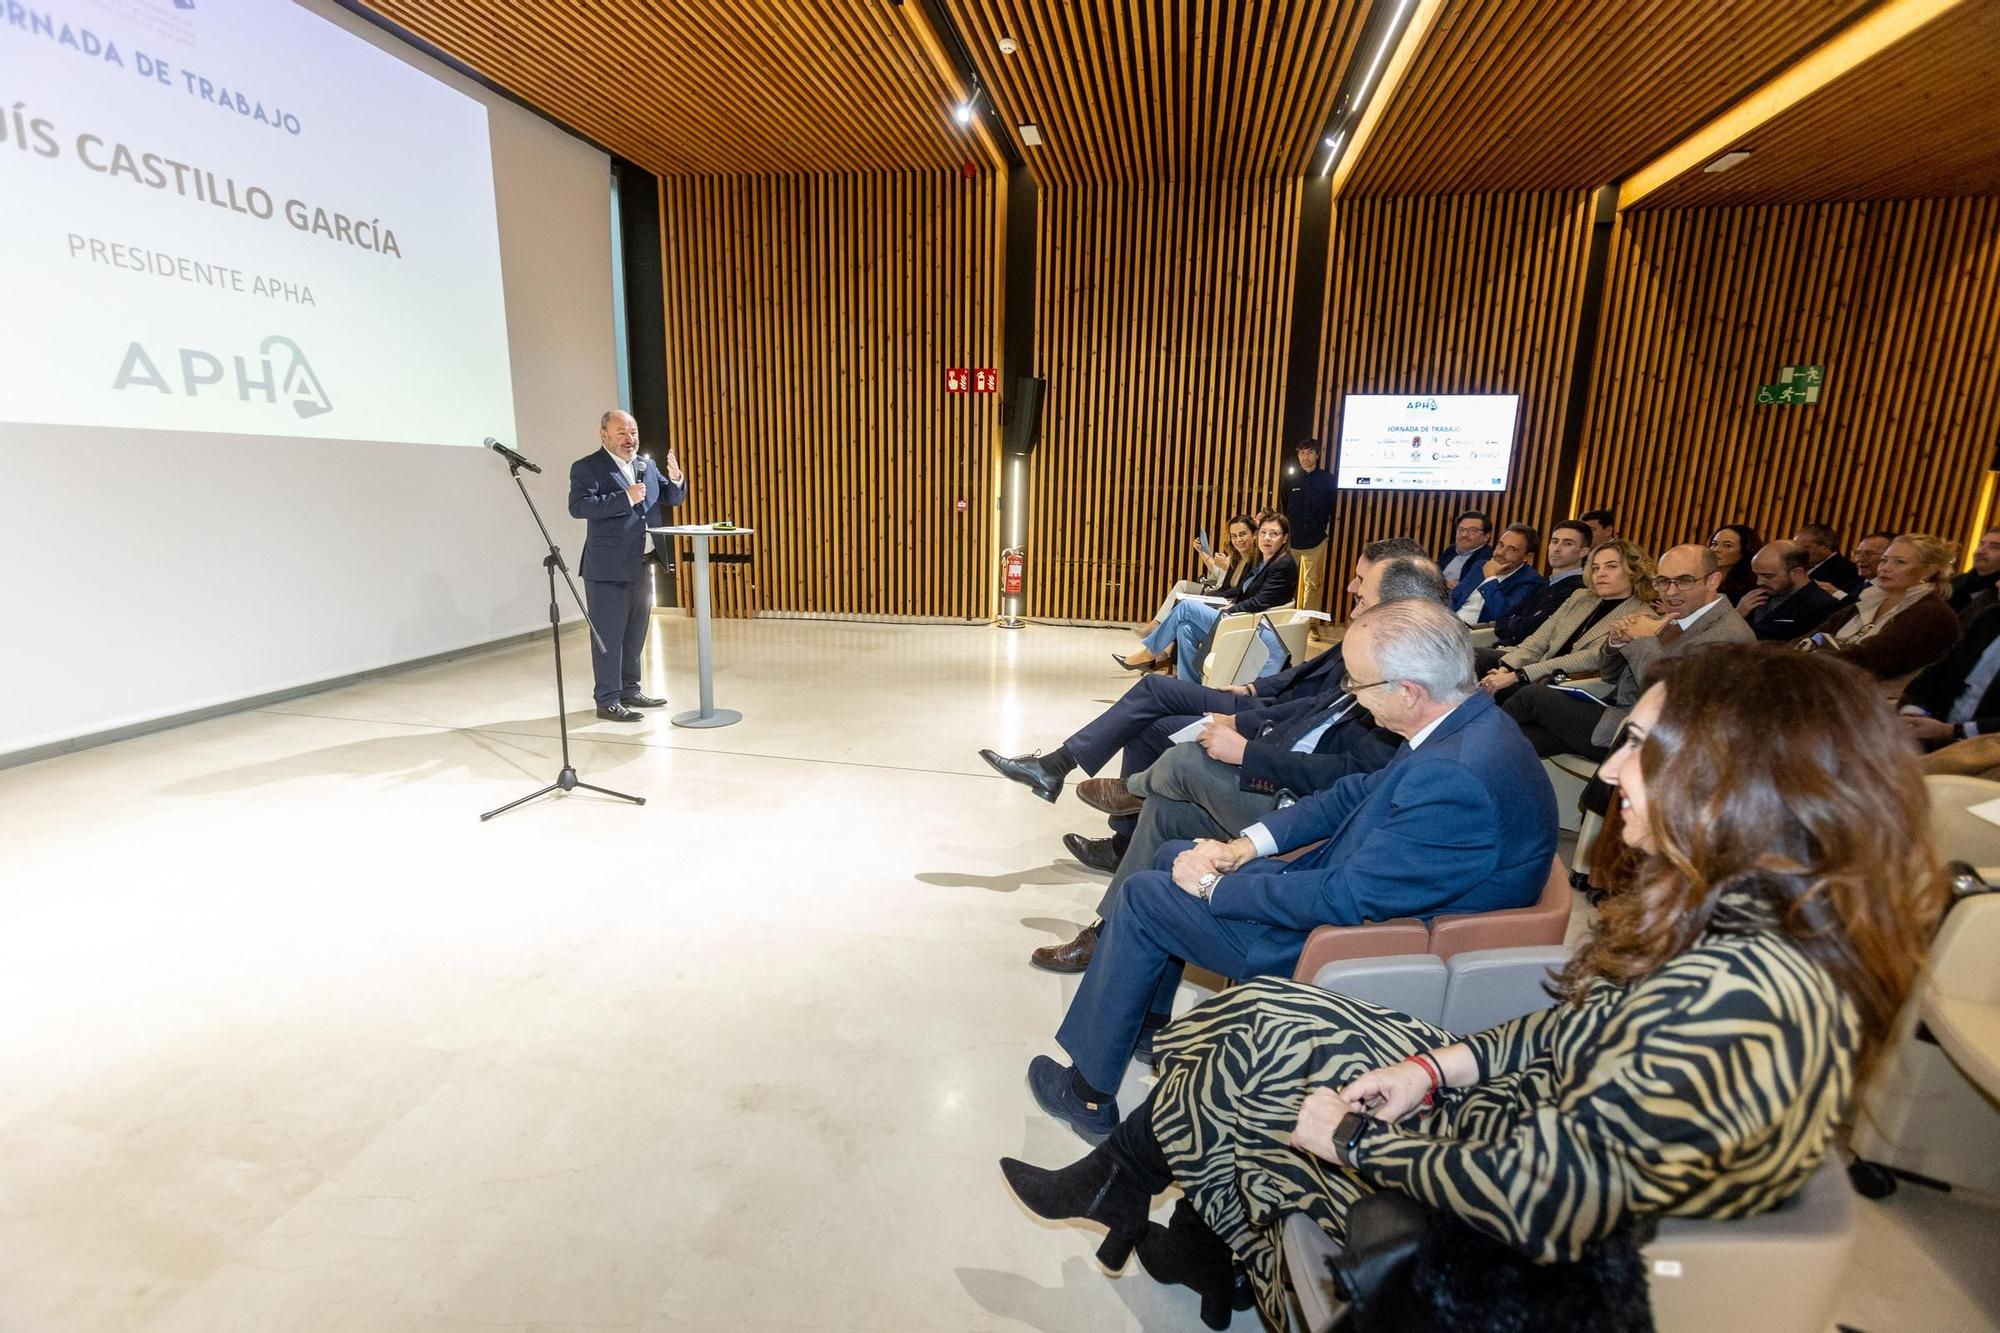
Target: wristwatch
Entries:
(1206, 884)
(1347, 1135)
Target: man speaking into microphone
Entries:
(620, 496)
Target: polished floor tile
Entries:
(295, 1042)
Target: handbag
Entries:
(1409, 1268)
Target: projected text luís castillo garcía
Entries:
(38, 138)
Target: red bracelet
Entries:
(1432, 1071)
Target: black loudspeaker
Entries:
(1021, 428)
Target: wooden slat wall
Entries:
(1515, 95)
(1138, 93)
(1900, 301)
(1437, 295)
(810, 321)
(1162, 322)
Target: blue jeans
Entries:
(1190, 628)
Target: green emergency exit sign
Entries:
(1796, 386)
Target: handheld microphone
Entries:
(509, 454)
(639, 466)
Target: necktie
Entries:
(1669, 633)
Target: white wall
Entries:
(149, 575)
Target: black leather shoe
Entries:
(1049, 1080)
(618, 712)
(1040, 773)
(642, 701)
(1146, 665)
(1095, 853)
(1071, 955)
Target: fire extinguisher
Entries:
(1010, 570)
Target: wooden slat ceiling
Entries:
(1515, 95)
(1194, 89)
(684, 87)
(1919, 120)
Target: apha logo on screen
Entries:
(260, 381)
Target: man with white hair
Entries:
(1461, 820)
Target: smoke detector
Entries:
(1008, 46)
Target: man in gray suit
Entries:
(1693, 613)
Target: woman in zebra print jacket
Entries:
(1706, 1037)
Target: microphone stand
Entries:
(566, 780)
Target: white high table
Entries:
(708, 715)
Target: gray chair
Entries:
(1787, 1264)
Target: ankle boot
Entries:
(1096, 1189)
(1187, 1253)
(1113, 1186)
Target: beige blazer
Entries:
(1531, 657)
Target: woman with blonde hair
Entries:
(1618, 581)
(1902, 620)
(1707, 1035)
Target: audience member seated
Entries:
(1226, 569)
(1471, 543)
(1693, 614)
(1232, 775)
(1571, 643)
(1904, 619)
(1868, 557)
(1190, 626)
(1139, 724)
(1977, 584)
(1461, 820)
(1603, 526)
(1569, 543)
(1733, 545)
(1786, 603)
(1958, 695)
(1705, 1041)
(1825, 565)
(1505, 583)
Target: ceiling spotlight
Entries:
(1031, 135)
(963, 113)
(1008, 46)
(1730, 160)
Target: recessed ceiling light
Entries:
(1734, 158)
(1031, 135)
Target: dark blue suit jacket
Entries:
(1464, 823)
(1355, 744)
(1503, 597)
(615, 542)
(1473, 563)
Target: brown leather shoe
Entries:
(1071, 957)
(1108, 795)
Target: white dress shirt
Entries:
(631, 479)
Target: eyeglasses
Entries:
(1686, 581)
(1353, 686)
